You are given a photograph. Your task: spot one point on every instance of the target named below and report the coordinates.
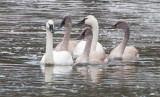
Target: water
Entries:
(22, 44)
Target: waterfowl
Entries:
(48, 56)
(54, 57)
(66, 44)
(122, 51)
(96, 47)
(87, 56)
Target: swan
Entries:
(96, 47)
(122, 51)
(48, 56)
(66, 42)
(87, 56)
(54, 57)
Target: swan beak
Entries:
(112, 27)
(62, 24)
(51, 29)
(81, 36)
(82, 21)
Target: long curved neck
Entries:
(123, 44)
(49, 47)
(65, 42)
(95, 30)
(87, 48)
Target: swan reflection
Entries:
(52, 72)
(91, 74)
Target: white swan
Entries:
(66, 40)
(54, 57)
(122, 51)
(96, 47)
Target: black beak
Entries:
(51, 28)
(62, 24)
(112, 27)
(82, 22)
(81, 36)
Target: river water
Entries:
(22, 45)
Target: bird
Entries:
(122, 51)
(52, 56)
(96, 47)
(87, 56)
(66, 44)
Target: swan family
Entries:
(88, 50)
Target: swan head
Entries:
(87, 32)
(89, 20)
(120, 25)
(50, 26)
(65, 21)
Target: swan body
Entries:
(80, 48)
(60, 58)
(130, 53)
(71, 46)
(96, 47)
(98, 57)
(54, 57)
(122, 51)
(93, 58)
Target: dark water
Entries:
(22, 44)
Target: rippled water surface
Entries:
(22, 45)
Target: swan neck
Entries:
(49, 47)
(65, 42)
(87, 48)
(95, 30)
(125, 40)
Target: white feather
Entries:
(60, 58)
(80, 48)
